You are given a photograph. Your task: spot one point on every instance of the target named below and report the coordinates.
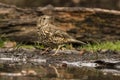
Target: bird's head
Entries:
(44, 20)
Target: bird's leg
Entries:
(58, 49)
(45, 50)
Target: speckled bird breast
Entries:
(46, 37)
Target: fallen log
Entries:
(86, 24)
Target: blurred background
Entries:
(106, 4)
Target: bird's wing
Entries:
(59, 33)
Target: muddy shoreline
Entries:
(63, 55)
(70, 64)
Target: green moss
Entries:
(2, 40)
(40, 46)
(26, 46)
(94, 47)
(103, 45)
(1, 43)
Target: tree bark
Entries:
(85, 24)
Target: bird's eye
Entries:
(43, 18)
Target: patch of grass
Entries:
(2, 40)
(104, 45)
(1, 43)
(26, 46)
(90, 47)
(40, 46)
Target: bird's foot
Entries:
(45, 51)
(56, 52)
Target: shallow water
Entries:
(24, 64)
(41, 70)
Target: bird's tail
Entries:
(76, 41)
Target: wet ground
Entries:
(25, 64)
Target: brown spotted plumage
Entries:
(50, 35)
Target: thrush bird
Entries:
(50, 35)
